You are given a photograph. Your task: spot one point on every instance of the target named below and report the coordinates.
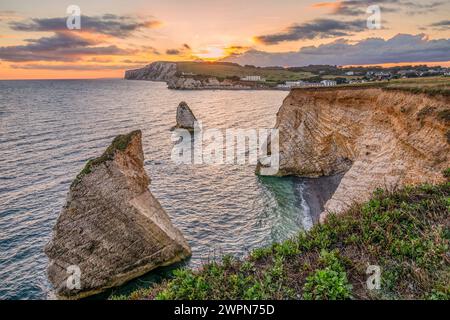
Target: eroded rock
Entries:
(112, 228)
(185, 117)
(376, 138)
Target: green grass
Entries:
(406, 233)
(427, 85)
(225, 70)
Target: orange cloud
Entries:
(334, 6)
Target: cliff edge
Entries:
(111, 229)
(378, 138)
(156, 71)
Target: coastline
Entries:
(316, 192)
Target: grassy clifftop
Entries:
(221, 70)
(406, 233)
(430, 85)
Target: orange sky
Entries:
(175, 30)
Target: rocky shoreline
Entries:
(375, 138)
(344, 144)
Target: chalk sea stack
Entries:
(376, 138)
(111, 226)
(185, 117)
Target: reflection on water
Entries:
(49, 129)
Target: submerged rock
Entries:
(185, 117)
(112, 228)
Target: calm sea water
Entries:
(49, 129)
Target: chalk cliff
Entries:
(112, 228)
(156, 71)
(169, 73)
(378, 138)
(188, 83)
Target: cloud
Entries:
(441, 25)
(62, 46)
(185, 48)
(135, 61)
(173, 52)
(72, 45)
(8, 15)
(358, 7)
(66, 67)
(400, 48)
(107, 24)
(421, 8)
(151, 50)
(319, 28)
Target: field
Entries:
(222, 71)
(429, 85)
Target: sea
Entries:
(49, 129)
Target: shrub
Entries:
(329, 283)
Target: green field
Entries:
(429, 85)
(230, 70)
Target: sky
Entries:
(114, 36)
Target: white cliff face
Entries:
(187, 83)
(112, 228)
(156, 71)
(184, 83)
(379, 139)
(168, 72)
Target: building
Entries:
(188, 74)
(292, 84)
(304, 84)
(328, 83)
(350, 73)
(253, 78)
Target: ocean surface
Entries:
(49, 129)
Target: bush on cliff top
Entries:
(119, 143)
(406, 233)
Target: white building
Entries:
(292, 84)
(328, 83)
(252, 78)
(350, 73)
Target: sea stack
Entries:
(185, 117)
(111, 229)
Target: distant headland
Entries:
(227, 75)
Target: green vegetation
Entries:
(428, 85)
(406, 233)
(330, 282)
(229, 70)
(119, 143)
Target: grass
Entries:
(119, 143)
(223, 71)
(428, 85)
(406, 233)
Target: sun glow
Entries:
(210, 53)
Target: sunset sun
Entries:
(210, 53)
